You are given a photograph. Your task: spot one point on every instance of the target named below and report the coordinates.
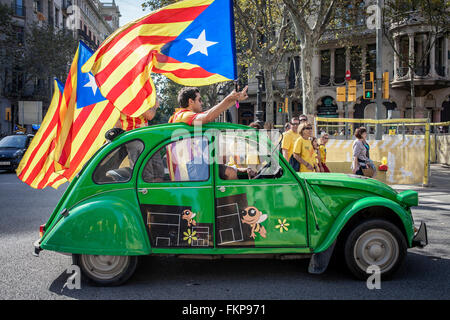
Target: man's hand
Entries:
(251, 173)
(237, 96)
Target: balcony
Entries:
(86, 39)
(429, 54)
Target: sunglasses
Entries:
(308, 128)
(295, 124)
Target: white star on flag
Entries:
(200, 44)
(91, 84)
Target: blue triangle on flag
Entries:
(209, 41)
(87, 89)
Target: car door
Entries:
(265, 212)
(176, 195)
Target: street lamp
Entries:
(259, 112)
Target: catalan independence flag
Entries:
(72, 131)
(191, 42)
(37, 168)
(85, 117)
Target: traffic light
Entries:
(352, 91)
(386, 85)
(368, 86)
(340, 94)
(280, 107)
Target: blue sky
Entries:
(130, 10)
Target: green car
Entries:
(220, 191)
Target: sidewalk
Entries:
(439, 180)
(434, 210)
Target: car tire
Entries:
(105, 270)
(374, 242)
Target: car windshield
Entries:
(13, 142)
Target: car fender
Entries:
(108, 223)
(355, 207)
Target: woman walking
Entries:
(361, 164)
(303, 150)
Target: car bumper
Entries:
(421, 237)
(37, 247)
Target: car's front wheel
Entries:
(375, 243)
(106, 270)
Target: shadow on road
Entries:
(169, 278)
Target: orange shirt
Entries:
(183, 115)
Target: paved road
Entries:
(425, 274)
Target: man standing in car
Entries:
(191, 106)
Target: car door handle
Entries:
(143, 190)
(222, 189)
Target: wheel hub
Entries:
(376, 247)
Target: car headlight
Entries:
(18, 154)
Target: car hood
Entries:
(350, 181)
(8, 152)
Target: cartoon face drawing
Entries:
(253, 217)
(188, 215)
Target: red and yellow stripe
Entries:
(83, 131)
(123, 64)
(37, 167)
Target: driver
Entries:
(231, 173)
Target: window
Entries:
(404, 56)
(371, 58)
(355, 63)
(118, 165)
(325, 67)
(37, 6)
(421, 54)
(242, 150)
(294, 70)
(339, 66)
(440, 56)
(180, 161)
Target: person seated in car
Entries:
(234, 173)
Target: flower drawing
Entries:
(282, 225)
(189, 236)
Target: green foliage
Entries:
(49, 52)
(36, 54)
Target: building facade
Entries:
(332, 59)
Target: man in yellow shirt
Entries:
(303, 149)
(191, 106)
(289, 138)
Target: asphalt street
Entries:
(424, 275)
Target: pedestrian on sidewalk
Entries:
(323, 152)
(317, 158)
(361, 164)
(289, 138)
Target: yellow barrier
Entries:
(409, 157)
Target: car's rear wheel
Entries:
(377, 243)
(106, 270)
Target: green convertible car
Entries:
(221, 191)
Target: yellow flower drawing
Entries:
(189, 236)
(282, 225)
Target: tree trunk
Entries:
(306, 57)
(268, 76)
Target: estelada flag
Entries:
(85, 117)
(37, 167)
(191, 42)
